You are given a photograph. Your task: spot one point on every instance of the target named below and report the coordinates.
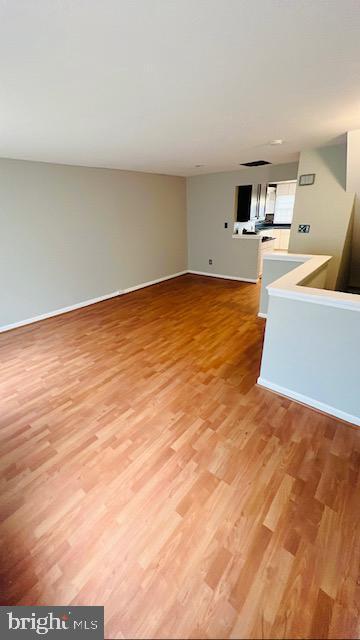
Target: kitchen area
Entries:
(264, 213)
(235, 217)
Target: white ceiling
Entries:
(163, 85)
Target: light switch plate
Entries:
(304, 228)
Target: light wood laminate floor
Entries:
(142, 469)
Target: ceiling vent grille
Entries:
(255, 163)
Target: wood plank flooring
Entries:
(143, 470)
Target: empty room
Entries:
(180, 319)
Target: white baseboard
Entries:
(114, 294)
(316, 404)
(150, 282)
(85, 303)
(218, 275)
(262, 315)
(58, 312)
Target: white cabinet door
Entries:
(276, 233)
(284, 239)
(284, 204)
(265, 248)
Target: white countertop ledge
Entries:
(284, 255)
(246, 236)
(292, 284)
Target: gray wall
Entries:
(353, 185)
(69, 234)
(210, 203)
(273, 270)
(327, 207)
(313, 350)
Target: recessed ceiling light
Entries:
(275, 142)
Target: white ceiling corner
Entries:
(163, 85)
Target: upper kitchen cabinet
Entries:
(284, 202)
(243, 202)
(250, 202)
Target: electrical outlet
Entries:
(225, 225)
(304, 228)
(210, 261)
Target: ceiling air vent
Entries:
(255, 163)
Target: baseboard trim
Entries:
(151, 282)
(310, 402)
(218, 275)
(262, 315)
(114, 294)
(85, 303)
(58, 312)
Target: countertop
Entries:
(247, 236)
(265, 225)
(251, 236)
